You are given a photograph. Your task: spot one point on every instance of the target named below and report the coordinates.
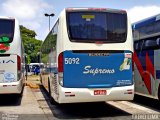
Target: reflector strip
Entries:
(67, 92)
(99, 42)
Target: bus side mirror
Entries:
(158, 41)
(150, 44)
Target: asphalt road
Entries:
(35, 105)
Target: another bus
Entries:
(147, 50)
(32, 66)
(87, 56)
(11, 57)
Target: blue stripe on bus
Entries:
(102, 86)
(146, 22)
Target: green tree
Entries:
(27, 32)
(31, 44)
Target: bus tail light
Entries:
(18, 63)
(60, 62)
(60, 68)
(18, 67)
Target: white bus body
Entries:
(11, 57)
(146, 57)
(89, 69)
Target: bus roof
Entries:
(5, 17)
(146, 21)
(95, 9)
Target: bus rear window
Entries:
(97, 27)
(6, 30)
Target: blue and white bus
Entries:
(87, 56)
(147, 50)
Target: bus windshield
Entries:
(97, 26)
(6, 30)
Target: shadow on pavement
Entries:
(94, 110)
(10, 100)
(149, 102)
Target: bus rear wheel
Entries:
(159, 93)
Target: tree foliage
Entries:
(48, 46)
(31, 44)
(27, 32)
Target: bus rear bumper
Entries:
(11, 88)
(74, 95)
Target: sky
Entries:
(30, 13)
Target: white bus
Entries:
(146, 57)
(11, 57)
(88, 56)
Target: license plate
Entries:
(100, 92)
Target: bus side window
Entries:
(136, 46)
(150, 44)
(135, 34)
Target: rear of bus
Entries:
(95, 62)
(10, 57)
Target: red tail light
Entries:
(18, 63)
(60, 62)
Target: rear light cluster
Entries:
(60, 62)
(18, 67)
(60, 68)
(18, 63)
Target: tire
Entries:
(21, 93)
(159, 93)
(52, 101)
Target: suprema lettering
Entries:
(90, 70)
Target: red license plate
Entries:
(100, 92)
